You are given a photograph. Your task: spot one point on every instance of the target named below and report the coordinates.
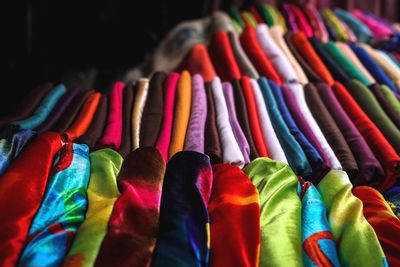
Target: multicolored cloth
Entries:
(62, 210)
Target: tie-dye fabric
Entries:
(102, 193)
(280, 206)
(319, 248)
(62, 210)
(184, 225)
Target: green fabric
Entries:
(367, 101)
(235, 15)
(249, 18)
(356, 240)
(391, 98)
(280, 212)
(345, 63)
(102, 193)
(266, 14)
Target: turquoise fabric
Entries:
(362, 32)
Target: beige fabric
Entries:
(137, 110)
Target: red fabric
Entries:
(304, 47)
(302, 21)
(380, 216)
(250, 45)
(198, 61)
(382, 149)
(234, 219)
(222, 57)
(255, 14)
(22, 188)
(253, 117)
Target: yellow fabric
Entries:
(249, 18)
(337, 25)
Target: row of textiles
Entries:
(255, 146)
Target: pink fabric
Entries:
(113, 131)
(302, 21)
(169, 103)
(380, 31)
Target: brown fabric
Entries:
(212, 145)
(392, 114)
(330, 130)
(96, 128)
(243, 118)
(153, 111)
(126, 142)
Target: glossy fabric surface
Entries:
(142, 88)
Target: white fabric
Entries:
(230, 149)
(272, 143)
(138, 106)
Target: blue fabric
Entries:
(293, 151)
(43, 110)
(314, 158)
(62, 210)
(373, 67)
(361, 31)
(11, 147)
(393, 195)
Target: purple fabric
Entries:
(237, 130)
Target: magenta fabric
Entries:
(380, 31)
(113, 131)
(302, 21)
(164, 137)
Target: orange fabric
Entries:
(300, 41)
(253, 117)
(85, 117)
(183, 98)
(385, 223)
(198, 61)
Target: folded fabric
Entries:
(349, 226)
(380, 32)
(126, 135)
(183, 238)
(181, 113)
(133, 226)
(385, 223)
(391, 98)
(359, 28)
(102, 193)
(385, 105)
(198, 115)
(392, 197)
(142, 88)
(212, 143)
(231, 153)
(301, 20)
(316, 22)
(24, 195)
(164, 138)
(62, 210)
(280, 212)
(236, 198)
(334, 22)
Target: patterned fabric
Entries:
(102, 193)
(62, 210)
(183, 238)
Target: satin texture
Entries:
(24, 195)
(280, 211)
(102, 192)
(349, 226)
(183, 238)
(133, 225)
(142, 88)
(62, 210)
(234, 197)
(198, 61)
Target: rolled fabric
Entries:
(96, 128)
(151, 118)
(330, 130)
(142, 88)
(234, 197)
(367, 101)
(290, 17)
(133, 226)
(385, 223)
(164, 137)
(51, 233)
(379, 31)
(272, 144)
(126, 135)
(237, 130)
(181, 113)
(280, 212)
(301, 20)
(183, 238)
(231, 153)
(253, 117)
(382, 149)
(84, 118)
(391, 98)
(334, 22)
(316, 22)
(359, 28)
(222, 57)
(349, 226)
(113, 130)
(212, 144)
(243, 117)
(198, 115)
(102, 193)
(316, 230)
(24, 195)
(370, 170)
(385, 105)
